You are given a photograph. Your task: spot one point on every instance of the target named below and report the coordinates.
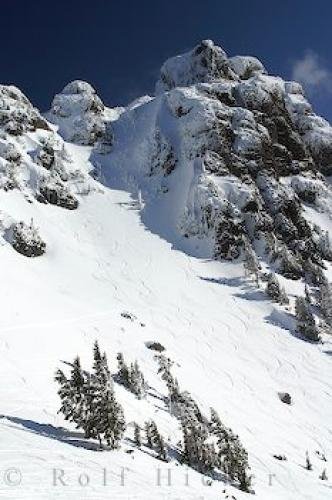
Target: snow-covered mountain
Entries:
(195, 221)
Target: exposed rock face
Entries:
(35, 162)
(33, 157)
(78, 112)
(17, 115)
(248, 149)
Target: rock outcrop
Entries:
(249, 152)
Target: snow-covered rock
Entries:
(78, 113)
(246, 66)
(205, 63)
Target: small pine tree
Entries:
(148, 434)
(136, 381)
(250, 262)
(215, 425)
(123, 371)
(325, 301)
(308, 464)
(108, 420)
(102, 373)
(235, 460)
(314, 272)
(71, 393)
(307, 293)
(324, 245)
(289, 267)
(137, 435)
(306, 324)
(112, 419)
(323, 476)
(165, 365)
(232, 457)
(158, 441)
(275, 291)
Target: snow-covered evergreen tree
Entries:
(314, 273)
(111, 418)
(250, 262)
(137, 383)
(198, 451)
(165, 365)
(109, 423)
(88, 400)
(275, 291)
(131, 377)
(101, 372)
(232, 456)
(289, 265)
(71, 392)
(325, 301)
(158, 442)
(306, 323)
(123, 371)
(308, 464)
(148, 434)
(324, 245)
(137, 435)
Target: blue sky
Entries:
(119, 46)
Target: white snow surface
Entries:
(233, 350)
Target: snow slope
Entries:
(228, 341)
(125, 250)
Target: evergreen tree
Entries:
(314, 272)
(158, 442)
(137, 435)
(148, 434)
(165, 365)
(308, 464)
(89, 401)
(323, 476)
(112, 422)
(307, 293)
(232, 457)
(250, 262)
(71, 392)
(306, 324)
(324, 245)
(325, 301)
(107, 417)
(275, 291)
(235, 460)
(197, 451)
(289, 267)
(123, 371)
(136, 381)
(102, 374)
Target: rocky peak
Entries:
(205, 63)
(247, 151)
(78, 112)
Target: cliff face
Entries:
(233, 155)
